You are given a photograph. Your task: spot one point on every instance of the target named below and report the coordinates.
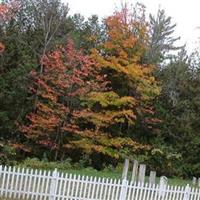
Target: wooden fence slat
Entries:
(89, 187)
(114, 189)
(43, 185)
(145, 191)
(38, 186)
(97, 188)
(73, 186)
(118, 189)
(7, 182)
(21, 176)
(64, 187)
(81, 187)
(16, 182)
(85, 187)
(182, 192)
(12, 182)
(105, 189)
(129, 190)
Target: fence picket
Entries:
(149, 190)
(53, 186)
(114, 189)
(174, 193)
(16, 183)
(43, 184)
(1, 172)
(85, 187)
(129, 190)
(37, 191)
(105, 190)
(12, 182)
(21, 182)
(93, 188)
(140, 191)
(34, 184)
(98, 187)
(47, 185)
(26, 174)
(77, 187)
(3, 180)
(118, 189)
(7, 182)
(145, 190)
(182, 192)
(81, 187)
(187, 193)
(192, 193)
(89, 187)
(198, 194)
(60, 184)
(178, 193)
(29, 183)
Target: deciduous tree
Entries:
(133, 83)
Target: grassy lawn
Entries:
(117, 174)
(66, 167)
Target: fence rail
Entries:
(20, 183)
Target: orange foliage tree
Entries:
(115, 112)
(120, 57)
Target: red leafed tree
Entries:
(2, 48)
(3, 13)
(68, 75)
(7, 11)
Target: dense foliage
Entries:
(98, 90)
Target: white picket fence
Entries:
(46, 185)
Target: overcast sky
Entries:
(186, 14)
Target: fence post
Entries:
(142, 170)
(152, 177)
(134, 171)
(53, 186)
(194, 180)
(125, 169)
(187, 192)
(163, 185)
(198, 182)
(123, 189)
(0, 176)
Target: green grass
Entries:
(179, 182)
(8, 199)
(117, 174)
(67, 167)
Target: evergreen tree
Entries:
(161, 41)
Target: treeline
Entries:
(97, 89)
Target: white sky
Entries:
(186, 14)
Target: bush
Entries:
(7, 155)
(35, 163)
